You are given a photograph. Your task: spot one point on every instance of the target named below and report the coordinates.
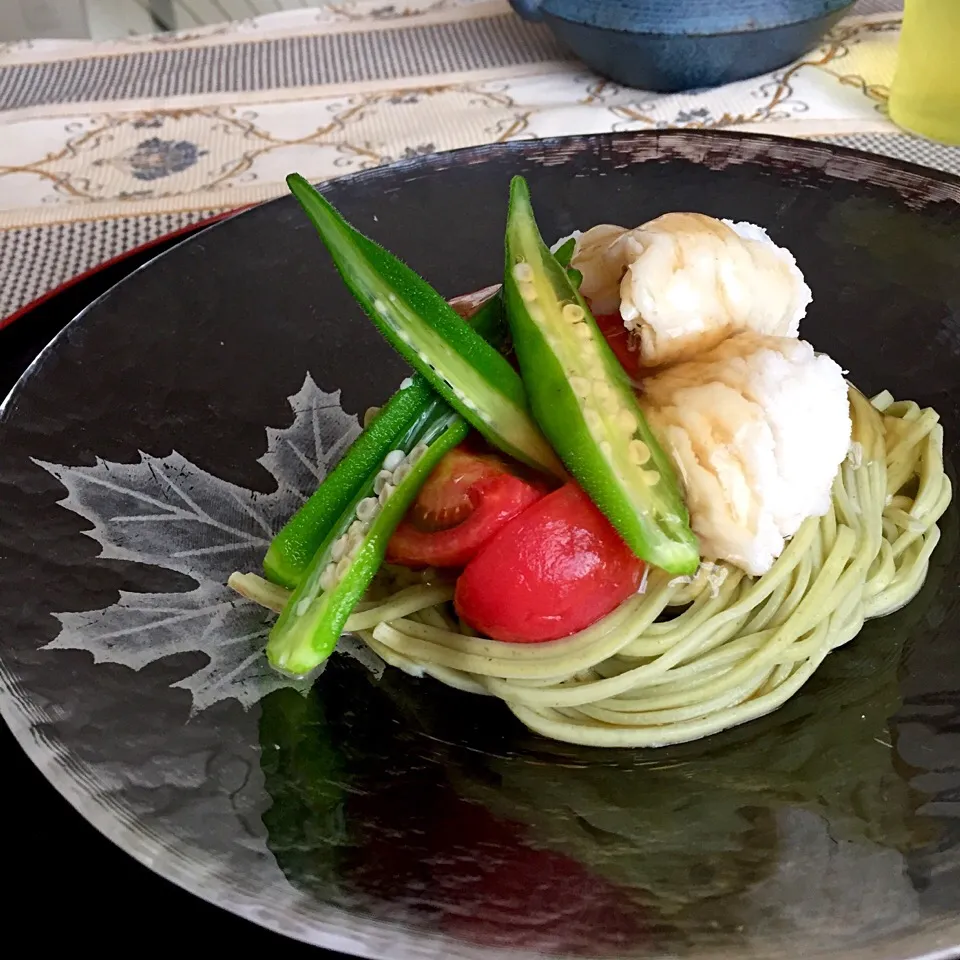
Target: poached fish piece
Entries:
(685, 281)
(757, 428)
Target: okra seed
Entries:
(388, 489)
(553, 342)
(417, 452)
(639, 452)
(612, 405)
(627, 421)
(352, 544)
(328, 579)
(384, 476)
(342, 567)
(401, 473)
(367, 508)
(573, 312)
(358, 528)
(393, 460)
(602, 391)
(582, 332)
(303, 606)
(650, 477)
(592, 419)
(339, 548)
(528, 292)
(606, 448)
(580, 386)
(522, 272)
(536, 314)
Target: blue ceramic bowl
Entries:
(671, 45)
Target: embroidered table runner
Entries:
(106, 145)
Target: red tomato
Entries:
(494, 501)
(620, 341)
(444, 501)
(554, 570)
(465, 501)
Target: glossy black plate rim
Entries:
(371, 938)
(910, 180)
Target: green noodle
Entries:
(736, 647)
(733, 648)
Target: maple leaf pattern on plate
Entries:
(170, 513)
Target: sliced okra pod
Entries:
(292, 549)
(294, 546)
(583, 400)
(343, 567)
(470, 374)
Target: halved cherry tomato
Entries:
(466, 500)
(619, 339)
(444, 500)
(555, 569)
(495, 501)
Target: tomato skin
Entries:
(618, 338)
(495, 502)
(554, 570)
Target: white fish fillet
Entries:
(757, 427)
(685, 281)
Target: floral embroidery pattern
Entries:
(155, 158)
(418, 151)
(699, 115)
(222, 155)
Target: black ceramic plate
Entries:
(391, 817)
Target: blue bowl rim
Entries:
(548, 15)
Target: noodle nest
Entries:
(689, 657)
